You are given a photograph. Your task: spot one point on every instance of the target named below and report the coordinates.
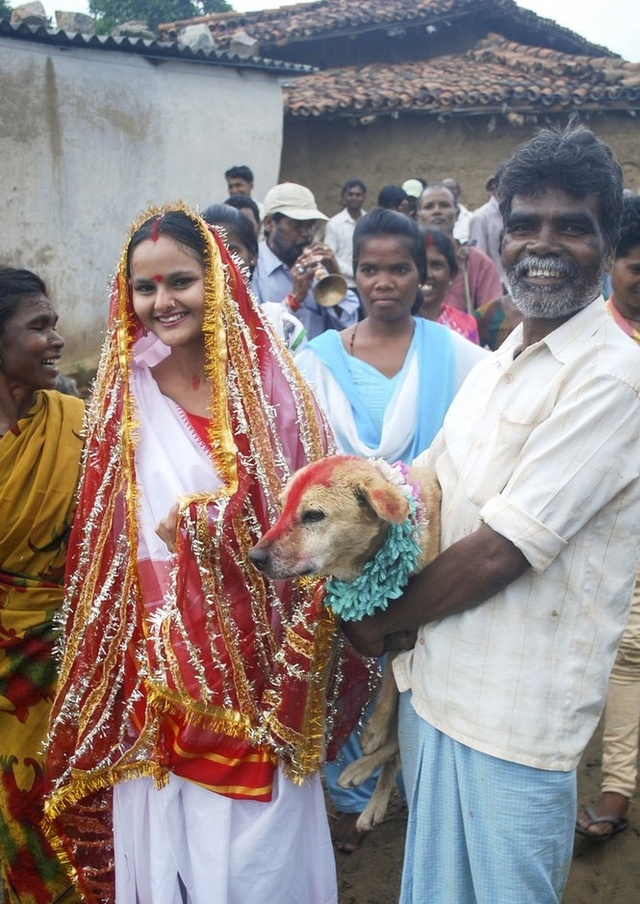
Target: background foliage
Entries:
(110, 13)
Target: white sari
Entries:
(184, 843)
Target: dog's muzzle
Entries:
(259, 558)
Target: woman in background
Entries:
(385, 385)
(442, 266)
(240, 238)
(40, 448)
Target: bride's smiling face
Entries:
(167, 286)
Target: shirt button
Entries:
(421, 640)
(508, 378)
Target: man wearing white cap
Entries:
(413, 189)
(288, 260)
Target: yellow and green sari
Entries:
(39, 466)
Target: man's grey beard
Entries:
(552, 302)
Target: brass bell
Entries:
(329, 289)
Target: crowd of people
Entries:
(300, 245)
(166, 711)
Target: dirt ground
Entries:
(600, 874)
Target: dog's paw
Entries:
(374, 812)
(374, 734)
(356, 773)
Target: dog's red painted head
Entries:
(335, 517)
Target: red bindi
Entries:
(157, 278)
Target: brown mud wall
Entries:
(323, 154)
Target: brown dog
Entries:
(336, 516)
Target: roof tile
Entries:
(495, 75)
(305, 21)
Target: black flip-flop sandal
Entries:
(618, 824)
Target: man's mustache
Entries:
(552, 265)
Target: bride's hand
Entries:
(168, 527)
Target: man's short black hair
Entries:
(240, 201)
(573, 160)
(354, 183)
(629, 227)
(392, 196)
(239, 172)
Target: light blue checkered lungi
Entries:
(481, 830)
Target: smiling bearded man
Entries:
(553, 253)
(519, 617)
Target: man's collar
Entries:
(344, 216)
(584, 320)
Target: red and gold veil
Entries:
(232, 656)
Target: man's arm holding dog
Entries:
(462, 577)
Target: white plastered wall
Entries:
(89, 138)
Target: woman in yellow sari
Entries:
(40, 447)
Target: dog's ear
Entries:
(386, 500)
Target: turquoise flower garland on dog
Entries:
(386, 575)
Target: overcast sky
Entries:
(614, 24)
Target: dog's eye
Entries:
(312, 515)
(362, 498)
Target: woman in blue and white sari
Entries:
(385, 385)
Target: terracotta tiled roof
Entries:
(307, 20)
(497, 75)
(326, 18)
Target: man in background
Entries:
(392, 197)
(289, 261)
(477, 280)
(413, 188)
(239, 180)
(339, 230)
(461, 225)
(485, 225)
